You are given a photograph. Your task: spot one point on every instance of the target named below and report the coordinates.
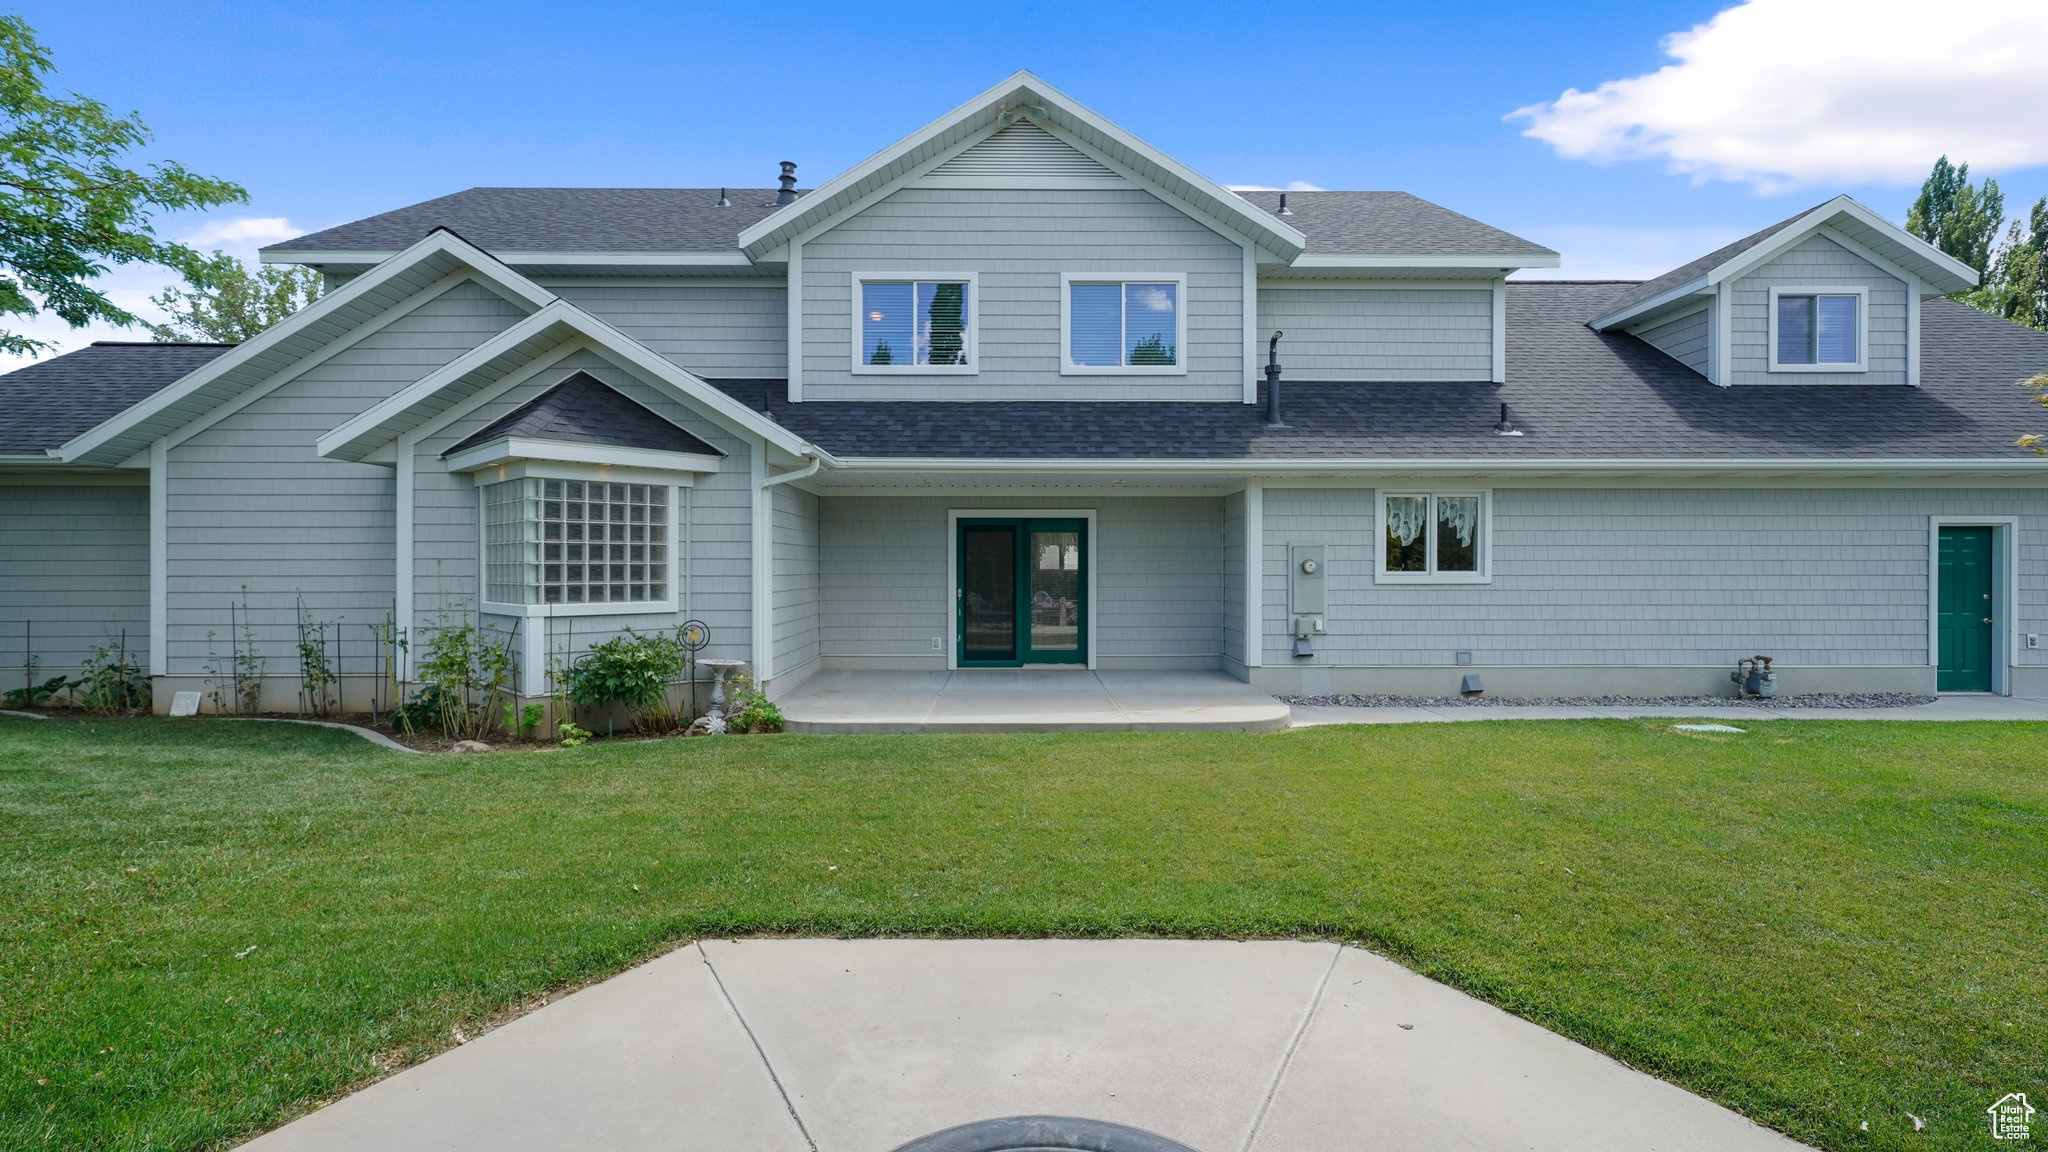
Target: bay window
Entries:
(550, 541)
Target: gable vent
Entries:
(1024, 149)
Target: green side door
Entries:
(1964, 619)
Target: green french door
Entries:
(1022, 592)
(1964, 619)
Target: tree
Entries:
(2017, 288)
(1152, 350)
(69, 206)
(227, 301)
(1956, 216)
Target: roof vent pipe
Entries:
(1506, 427)
(1273, 381)
(722, 201)
(788, 178)
(1284, 209)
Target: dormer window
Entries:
(1818, 330)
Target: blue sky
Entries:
(332, 113)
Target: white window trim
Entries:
(679, 488)
(973, 336)
(1380, 575)
(1862, 295)
(1180, 323)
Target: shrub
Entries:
(634, 672)
(110, 681)
(465, 678)
(749, 709)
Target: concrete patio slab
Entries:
(1394, 1060)
(1957, 707)
(1028, 700)
(880, 1041)
(859, 1045)
(653, 1059)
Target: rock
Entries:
(470, 746)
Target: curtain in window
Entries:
(1837, 340)
(1795, 329)
(1406, 518)
(1095, 313)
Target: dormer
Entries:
(1830, 296)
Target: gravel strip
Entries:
(1806, 700)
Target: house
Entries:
(997, 396)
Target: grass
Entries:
(206, 927)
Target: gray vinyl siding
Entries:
(1157, 560)
(1019, 242)
(1815, 577)
(1683, 339)
(715, 556)
(1371, 334)
(733, 330)
(1231, 586)
(797, 566)
(1817, 262)
(252, 503)
(74, 559)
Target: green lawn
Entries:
(1818, 924)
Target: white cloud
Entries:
(1780, 93)
(1290, 186)
(1154, 299)
(241, 235)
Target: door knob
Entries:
(1987, 619)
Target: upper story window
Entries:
(1817, 330)
(1433, 537)
(914, 324)
(1123, 324)
(564, 542)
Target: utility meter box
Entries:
(1305, 579)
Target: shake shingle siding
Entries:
(74, 559)
(252, 503)
(1367, 334)
(736, 329)
(1684, 339)
(1158, 581)
(1019, 242)
(797, 579)
(1647, 577)
(1817, 262)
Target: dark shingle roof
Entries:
(1386, 222)
(559, 220)
(1576, 393)
(51, 401)
(684, 220)
(1693, 270)
(584, 410)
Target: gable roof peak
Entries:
(1021, 94)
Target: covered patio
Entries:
(1029, 700)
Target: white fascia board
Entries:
(538, 256)
(1021, 88)
(615, 345)
(1816, 220)
(1655, 303)
(1338, 466)
(507, 449)
(439, 242)
(1489, 262)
